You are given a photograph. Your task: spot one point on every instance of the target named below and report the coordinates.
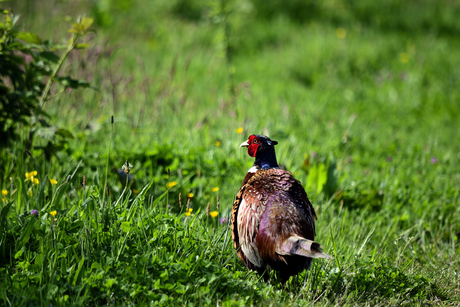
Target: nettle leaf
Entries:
(52, 46)
(51, 148)
(72, 83)
(50, 56)
(82, 27)
(47, 133)
(29, 38)
(64, 133)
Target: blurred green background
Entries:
(312, 74)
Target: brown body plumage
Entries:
(273, 222)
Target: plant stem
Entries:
(107, 161)
(47, 89)
(228, 53)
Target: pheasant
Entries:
(273, 222)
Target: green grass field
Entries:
(364, 100)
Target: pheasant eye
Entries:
(255, 141)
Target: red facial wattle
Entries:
(254, 143)
(252, 149)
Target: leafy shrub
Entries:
(21, 86)
(29, 68)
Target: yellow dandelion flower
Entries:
(169, 185)
(4, 192)
(341, 33)
(188, 212)
(53, 182)
(31, 175)
(239, 130)
(190, 195)
(217, 143)
(213, 213)
(215, 189)
(404, 57)
(53, 213)
(4, 200)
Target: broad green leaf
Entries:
(46, 133)
(29, 38)
(73, 29)
(50, 56)
(18, 254)
(312, 176)
(331, 184)
(317, 176)
(64, 133)
(322, 177)
(169, 286)
(181, 291)
(95, 265)
(39, 259)
(180, 288)
(82, 27)
(14, 20)
(69, 82)
(109, 283)
(82, 46)
(164, 276)
(125, 226)
(3, 216)
(26, 234)
(86, 23)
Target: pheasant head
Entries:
(263, 149)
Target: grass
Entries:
(377, 108)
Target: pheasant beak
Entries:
(244, 144)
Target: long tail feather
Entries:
(296, 245)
